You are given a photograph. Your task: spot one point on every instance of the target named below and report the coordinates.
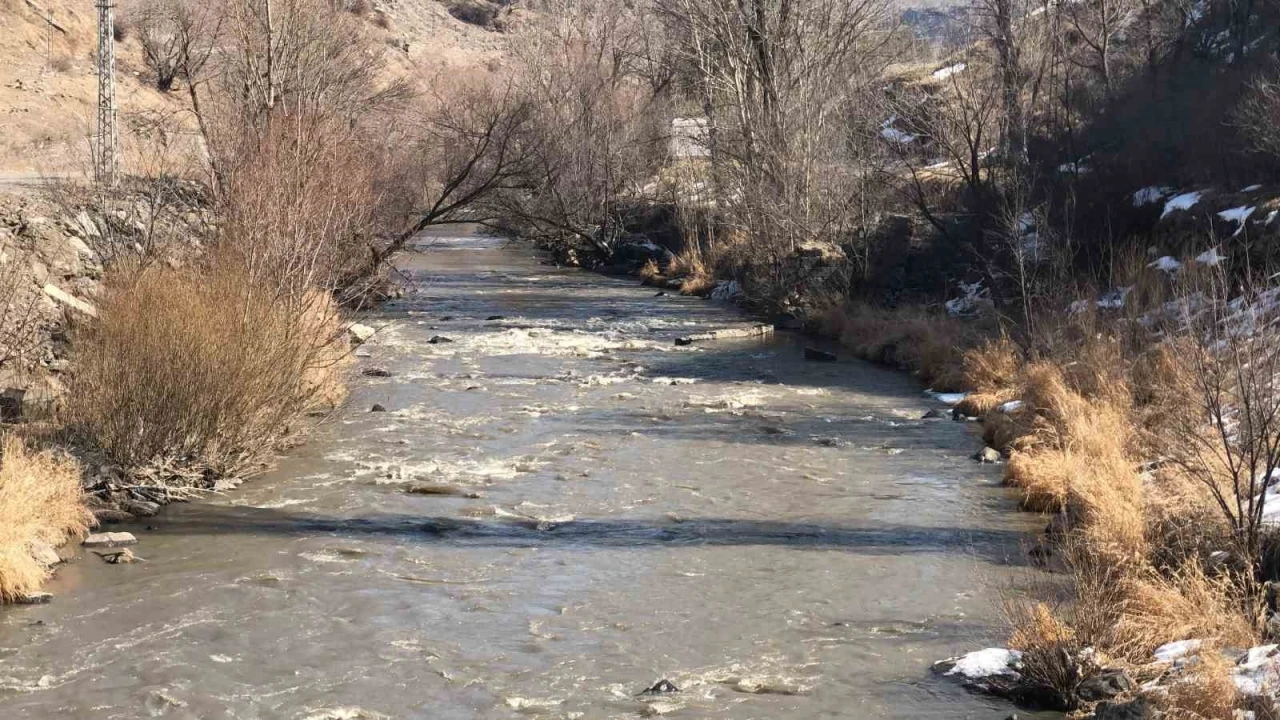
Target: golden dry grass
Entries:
(40, 502)
(202, 369)
(1206, 692)
(926, 344)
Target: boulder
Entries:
(140, 508)
(35, 598)
(439, 340)
(110, 539)
(378, 407)
(934, 415)
(360, 333)
(1136, 709)
(1106, 685)
(45, 554)
(987, 455)
(376, 372)
(63, 297)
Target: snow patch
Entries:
(986, 663)
(1185, 201)
(1170, 652)
(946, 398)
(1167, 263)
(1251, 188)
(893, 134)
(948, 71)
(1210, 257)
(1237, 215)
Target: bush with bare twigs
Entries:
(208, 370)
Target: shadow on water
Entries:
(866, 538)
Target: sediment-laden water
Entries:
(778, 538)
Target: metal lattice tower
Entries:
(106, 158)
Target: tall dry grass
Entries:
(40, 502)
(202, 369)
(929, 345)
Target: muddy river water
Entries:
(777, 538)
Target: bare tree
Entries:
(779, 81)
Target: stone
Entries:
(439, 489)
(491, 318)
(816, 355)
(45, 554)
(119, 557)
(661, 687)
(62, 296)
(376, 372)
(378, 407)
(934, 415)
(34, 598)
(660, 293)
(111, 515)
(1106, 685)
(360, 333)
(987, 455)
(109, 540)
(140, 508)
(439, 340)
(1135, 709)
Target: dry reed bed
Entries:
(1133, 539)
(40, 503)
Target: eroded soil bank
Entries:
(778, 538)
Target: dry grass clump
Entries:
(1206, 692)
(991, 371)
(928, 345)
(1161, 607)
(205, 370)
(40, 502)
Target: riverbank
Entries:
(767, 533)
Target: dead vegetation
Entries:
(40, 504)
(207, 369)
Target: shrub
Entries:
(40, 502)
(202, 370)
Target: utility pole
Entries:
(106, 158)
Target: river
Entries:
(777, 538)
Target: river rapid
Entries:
(777, 538)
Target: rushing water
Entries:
(778, 538)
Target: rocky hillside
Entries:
(48, 81)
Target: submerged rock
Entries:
(438, 489)
(438, 340)
(34, 598)
(816, 355)
(376, 372)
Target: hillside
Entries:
(48, 83)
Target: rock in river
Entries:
(376, 372)
(439, 340)
(817, 355)
(110, 539)
(378, 407)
